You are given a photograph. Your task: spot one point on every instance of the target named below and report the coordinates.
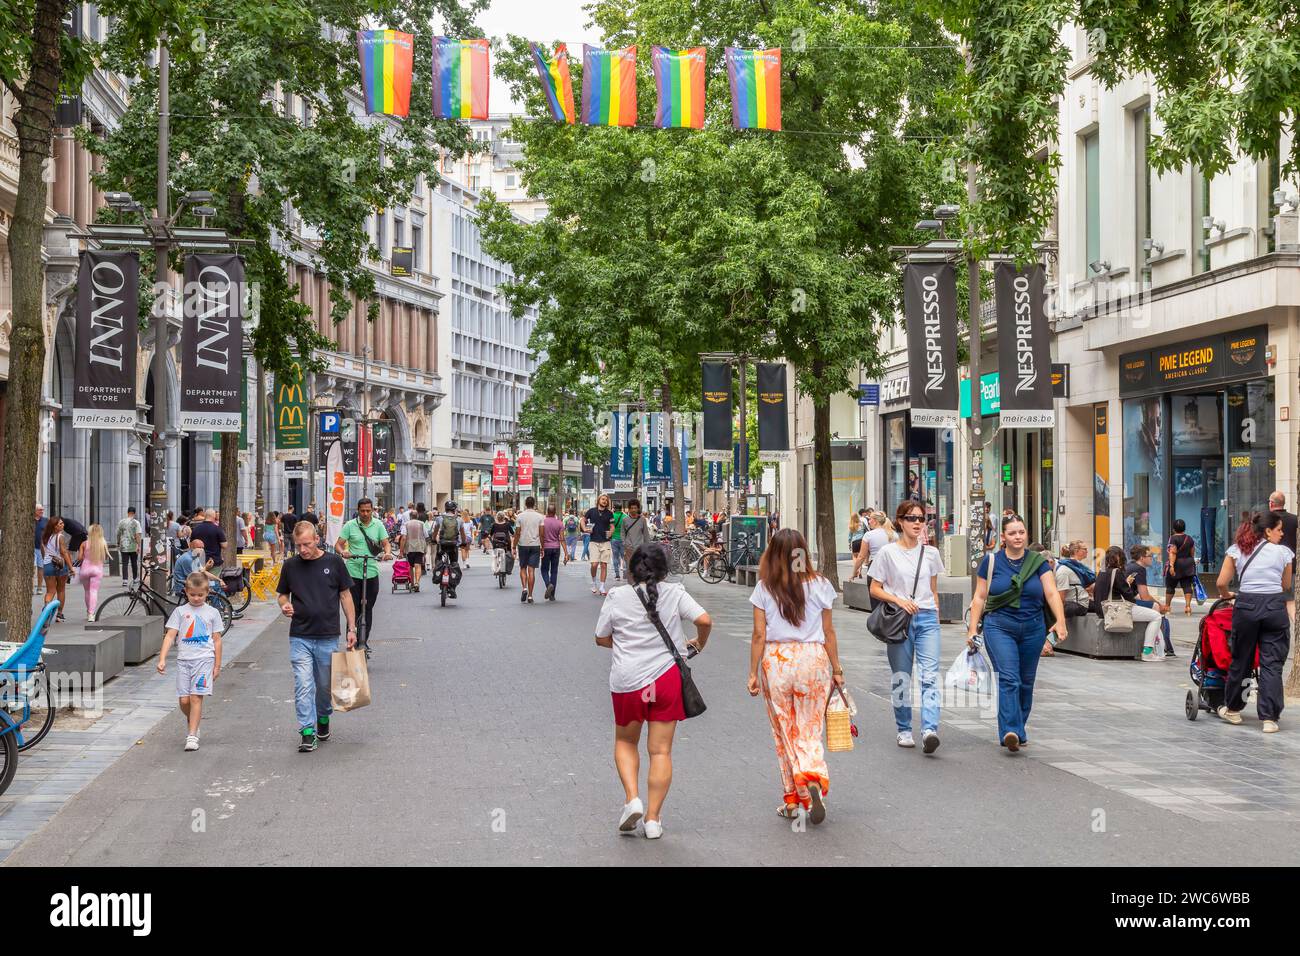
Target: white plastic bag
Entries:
(970, 673)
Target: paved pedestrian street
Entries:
(490, 741)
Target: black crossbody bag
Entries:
(889, 622)
(692, 701)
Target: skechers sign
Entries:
(930, 305)
(1024, 348)
(212, 343)
(108, 303)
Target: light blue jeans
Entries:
(922, 645)
(616, 546)
(310, 658)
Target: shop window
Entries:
(1144, 477)
(1252, 462)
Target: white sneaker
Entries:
(632, 814)
(930, 741)
(192, 742)
(653, 829)
(594, 589)
(905, 739)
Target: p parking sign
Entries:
(329, 423)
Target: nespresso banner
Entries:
(930, 305)
(773, 413)
(1024, 347)
(716, 380)
(212, 343)
(108, 305)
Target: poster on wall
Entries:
(930, 305)
(212, 343)
(1024, 347)
(107, 329)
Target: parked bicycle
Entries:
(26, 704)
(684, 550)
(717, 563)
(140, 598)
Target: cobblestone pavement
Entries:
(489, 741)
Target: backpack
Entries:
(449, 530)
(571, 524)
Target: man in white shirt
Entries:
(528, 543)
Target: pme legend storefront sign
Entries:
(1211, 360)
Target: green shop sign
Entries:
(990, 395)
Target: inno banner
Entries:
(930, 305)
(1024, 348)
(108, 303)
(716, 403)
(773, 413)
(212, 343)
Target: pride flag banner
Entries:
(386, 70)
(679, 81)
(460, 78)
(755, 78)
(608, 86)
(556, 84)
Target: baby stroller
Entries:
(1211, 660)
(402, 575)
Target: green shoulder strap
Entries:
(1011, 596)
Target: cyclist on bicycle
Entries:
(195, 559)
(450, 535)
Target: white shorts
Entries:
(194, 677)
(600, 552)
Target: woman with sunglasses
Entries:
(1012, 589)
(895, 571)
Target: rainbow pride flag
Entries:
(755, 78)
(608, 86)
(679, 81)
(556, 84)
(460, 78)
(386, 70)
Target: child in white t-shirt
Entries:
(198, 653)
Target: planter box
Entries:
(80, 662)
(143, 634)
(1089, 639)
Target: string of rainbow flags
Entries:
(460, 82)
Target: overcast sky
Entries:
(540, 20)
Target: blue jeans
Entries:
(1015, 648)
(922, 644)
(572, 540)
(616, 545)
(586, 546)
(310, 658)
(550, 566)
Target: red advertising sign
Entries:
(500, 467)
(525, 466)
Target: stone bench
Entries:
(747, 575)
(80, 662)
(143, 634)
(952, 605)
(1089, 639)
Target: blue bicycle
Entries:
(26, 705)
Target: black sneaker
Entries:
(307, 743)
(323, 728)
(523, 595)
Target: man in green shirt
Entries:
(364, 543)
(616, 541)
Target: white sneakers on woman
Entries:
(633, 811)
(653, 829)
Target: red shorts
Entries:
(661, 700)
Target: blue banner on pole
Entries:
(869, 394)
(620, 452)
(715, 475)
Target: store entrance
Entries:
(1196, 427)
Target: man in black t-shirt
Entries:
(206, 529)
(310, 515)
(313, 586)
(288, 521)
(597, 523)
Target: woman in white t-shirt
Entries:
(644, 680)
(795, 650)
(895, 571)
(877, 536)
(1261, 615)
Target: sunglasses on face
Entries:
(912, 518)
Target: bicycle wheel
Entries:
(8, 751)
(40, 709)
(713, 568)
(241, 598)
(223, 608)
(122, 604)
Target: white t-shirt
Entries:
(818, 596)
(875, 541)
(640, 656)
(1264, 576)
(895, 569)
(529, 523)
(194, 628)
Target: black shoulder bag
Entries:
(692, 702)
(889, 622)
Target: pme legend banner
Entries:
(212, 343)
(1024, 347)
(773, 413)
(930, 304)
(716, 403)
(108, 303)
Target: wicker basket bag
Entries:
(840, 729)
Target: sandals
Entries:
(788, 810)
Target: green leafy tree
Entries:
(38, 61)
(232, 135)
(559, 416)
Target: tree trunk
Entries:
(827, 562)
(559, 496)
(34, 121)
(229, 486)
(679, 485)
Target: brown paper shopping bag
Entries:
(349, 681)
